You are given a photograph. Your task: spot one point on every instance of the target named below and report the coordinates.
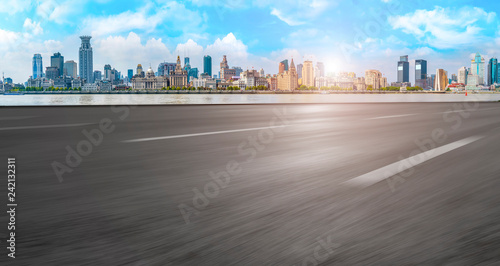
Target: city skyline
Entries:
(157, 34)
(482, 73)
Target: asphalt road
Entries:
(300, 184)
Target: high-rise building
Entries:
(107, 72)
(288, 80)
(441, 80)
(192, 72)
(493, 71)
(165, 68)
(207, 65)
(299, 70)
(285, 63)
(130, 74)
(421, 73)
(321, 69)
(403, 69)
(281, 68)
(70, 69)
(97, 75)
(477, 68)
(86, 60)
(308, 74)
(139, 71)
(37, 66)
(238, 71)
(57, 60)
(52, 72)
(462, 75)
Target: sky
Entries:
(347, 35)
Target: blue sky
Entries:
(347, 35)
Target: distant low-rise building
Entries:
(77, 83)
(250, 78)
(90, 87)
(150, 81)
(375, 79)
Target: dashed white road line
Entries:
(199, 134)
(390, 116)
(385, 172)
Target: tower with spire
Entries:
(288, 80)
(178, 77)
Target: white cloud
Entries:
(33, 27)
(288, 20)
(228, 44)
(123, 53)
(8, 39)
(59, 11)
(14, 6)
(443, 27)
(146, 19)
(292, 12)
(297, 12)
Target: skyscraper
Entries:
(57, 60)
(403, 69)
(493, 71)
(285, 62)
(37, 66)
(70, 69)
(139, 71)
(130, 74)
(107, 72)
(97, 75)
(281, 68)
(421, 73)
(86, 60)
(441, 80)
(288, 80)
(321, 68)
(238, 71)
(477, 68)
(308, 74)
(207, 65)
(462, 75)
(52, 72)
(299, 70)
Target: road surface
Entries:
(291, 184)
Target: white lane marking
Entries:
(199, 134)
(45, 126)
(390, 116)
(16, 117)
(403, 165)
